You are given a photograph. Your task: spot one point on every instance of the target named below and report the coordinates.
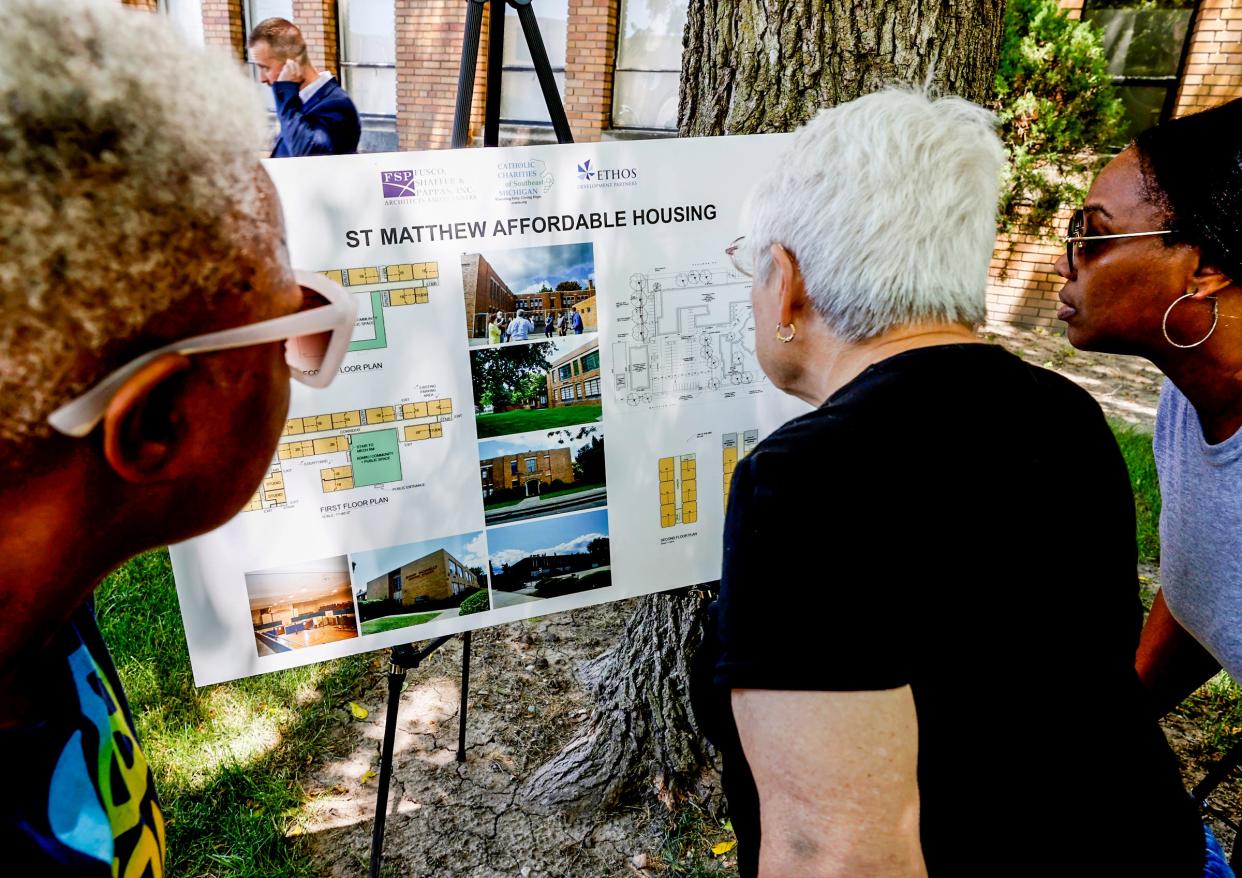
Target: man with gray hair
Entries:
(316, 116)
(133, 218)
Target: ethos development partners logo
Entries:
(417, 185)
(594, 177)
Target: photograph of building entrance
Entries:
(539, 386)
(529, 293)
(542, 473)
(549, 557)
(415, 583)
(300, 605)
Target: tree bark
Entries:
(750, 66)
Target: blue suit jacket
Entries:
(327, 124)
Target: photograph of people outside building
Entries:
(542, 473)
(301, 605)
(538, 386)
(549, 557)
(529, 293)
(415, 583)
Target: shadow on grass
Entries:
(228, 759)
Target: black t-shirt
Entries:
(959, 522)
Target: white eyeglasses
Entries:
(316, 339)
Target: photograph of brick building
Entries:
(301, 605)
(485, 293)
(549, 557)
(617, 63)
(545, 283)
(574, 379)
(542, 473)
(416, 583)
(511, 385)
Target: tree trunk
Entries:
(750, 66)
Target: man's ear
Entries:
(140, 431)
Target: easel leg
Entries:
(396, 676)
(465, 697)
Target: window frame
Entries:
(343, 63)
(1173, 83)
(618, 69)
(562, 84)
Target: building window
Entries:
(565, 372)
(577, 370)
(591, 388)
(590, 362)
(369, 55)
(532, 465)
(521, 99)
(186, 17)
(1145, 41)
(255, 11)
(644, 90)
(567, 393)
(513, 464)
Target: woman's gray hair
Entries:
(127, 185)
(888, 204)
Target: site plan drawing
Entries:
(684, 336)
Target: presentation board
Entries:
(550, 381)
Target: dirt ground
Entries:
(469, 819)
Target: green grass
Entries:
(523, 420)
(1136, 449)
(390, 623)
(229, 759)
(686, 851)
(544, 496)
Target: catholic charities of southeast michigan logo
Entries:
(418, 185)
(522, 181)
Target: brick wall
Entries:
(590, 53)
(429, 43)
(317, 21)
(223, 26)
(149, 5)
(1022, 287)
(1213, 72)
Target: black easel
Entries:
(406, 656)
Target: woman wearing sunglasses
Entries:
(1152, 267)
(889, 690)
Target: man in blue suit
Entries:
(316, 115)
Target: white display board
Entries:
(446, 480)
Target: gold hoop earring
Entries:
(1164, 324)
(793, 330)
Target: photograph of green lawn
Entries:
(544, 385)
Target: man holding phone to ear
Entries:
(316, 116)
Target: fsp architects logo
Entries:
(398, 184)
(419, 185)
(592, 176)
(523, 180)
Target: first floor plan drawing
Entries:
(351, 448)
(684, 335)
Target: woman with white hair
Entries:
(890, 698)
